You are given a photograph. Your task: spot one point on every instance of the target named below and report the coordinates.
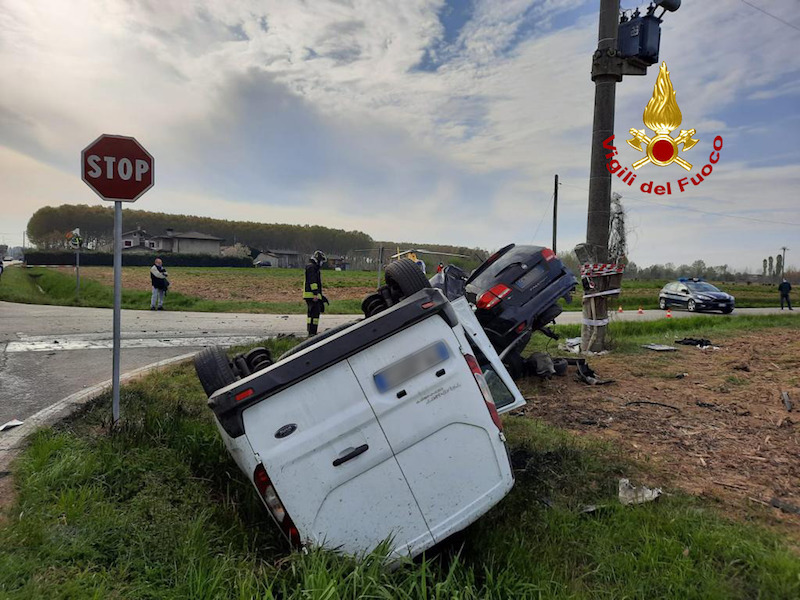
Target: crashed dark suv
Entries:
(516, 292)
(695, 295)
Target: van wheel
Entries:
(373, 304)
(405, 276)
(213, 369)
(317, 338)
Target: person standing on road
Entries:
(158, 277)
(784, 288)
(312, 293)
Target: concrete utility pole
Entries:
(606, 72)
(783, 261)
(555, 214)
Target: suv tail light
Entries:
(493, 296)
(274, 504)
(484, 388)
(548, 254)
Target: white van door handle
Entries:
(350, 455)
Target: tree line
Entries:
(48, 226)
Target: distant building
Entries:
(135, 240)
(192, 242)
(285, 259)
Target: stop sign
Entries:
(117, 168)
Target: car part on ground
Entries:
(386, 429)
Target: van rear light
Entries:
(245, 394)
(548, 254)
(274, 504)
(484, 388)
(493, 297)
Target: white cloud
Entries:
(317, 112)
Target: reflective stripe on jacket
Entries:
(313, 287)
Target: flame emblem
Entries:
(662, 115)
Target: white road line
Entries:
(71, 343)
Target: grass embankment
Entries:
(628, 336)
(42, 285)
(158, 510)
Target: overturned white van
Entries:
(387, 429)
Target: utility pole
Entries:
(608, 66)
(606, 72)
(783, 261)
(555, 214)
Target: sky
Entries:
(433, 121)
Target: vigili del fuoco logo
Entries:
(662, 115)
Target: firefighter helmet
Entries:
(319, 257)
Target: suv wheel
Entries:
(691, 305)
(662, 303)
(404, 277)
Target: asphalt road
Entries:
(50, 352)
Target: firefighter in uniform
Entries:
(312, 293)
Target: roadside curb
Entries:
(14, 440)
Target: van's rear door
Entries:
(504, 391)
(434, 416)
(335, 472)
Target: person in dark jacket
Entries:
(784, 288)
(158, 277)
(312, 292)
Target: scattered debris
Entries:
(660, 347)
(573, 345)
(699, 342)
(702, 404)
(11, 424)
(681, 375)
(585, 373)
(541, 365)
(742, 367)
(786, 401)
(786, 507)
(653, 403)
(630, 494)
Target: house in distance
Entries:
(191, 242)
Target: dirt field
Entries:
(728, 435)
(259, 285)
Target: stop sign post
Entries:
(118, 169)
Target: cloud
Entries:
(442, 119)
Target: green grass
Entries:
(158, 510)
(628, 336)
(41, 285)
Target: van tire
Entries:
(213, 369)
(316, 339)
(405, 275)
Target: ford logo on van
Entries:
(286, 430)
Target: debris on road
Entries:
(11, 424)
(786, 401)
(630, 494)
(659, 347)
(572, 345)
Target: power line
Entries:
(544, 214)
(777, 18)
(698, 210)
